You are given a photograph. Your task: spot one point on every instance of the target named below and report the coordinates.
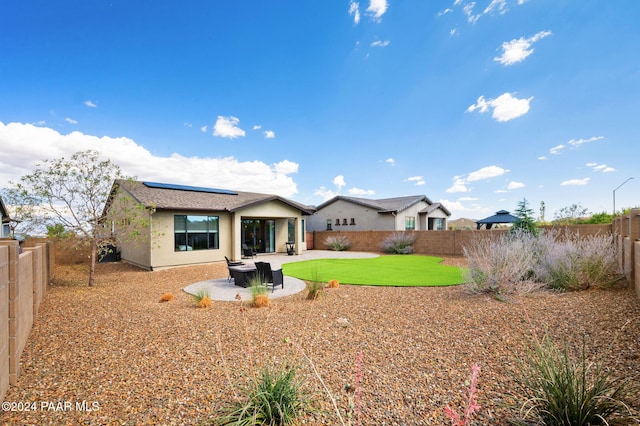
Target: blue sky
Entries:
(474, 104)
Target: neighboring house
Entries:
(343, 213)
(5, 230)
(501, 217)
(187, 225)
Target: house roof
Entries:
(4, 213)
(387, 205)
(501, 216)
(433, 207)
(182, 197)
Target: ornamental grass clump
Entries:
(202, 299)
(337, 243)
(333, 284)
(166, 297)
(398, 243)
(259, 294)
(561, 391)
(273, 398)
(314, 289)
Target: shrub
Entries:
(575, 263)
(337, 243)
(398, 243)
(273, 398)
(472, 404)
(559, 391)
(166, 297)
(333, 284)
(202, 298)
(502, 264)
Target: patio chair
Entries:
(232, 263)
(248, 252)
(270, 277)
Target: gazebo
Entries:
(501, 216)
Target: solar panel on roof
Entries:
(188, 188)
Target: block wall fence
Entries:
(627, 231)
(24, 277)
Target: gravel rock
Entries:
(113, 354)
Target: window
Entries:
(353, 221)
(194, 232)
(328, 224)
(409, 223)
(344, 221)
(291, 231)
(337, 222)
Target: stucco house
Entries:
(5, 230)
(342, 213)
(178, 225)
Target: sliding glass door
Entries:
(259, 234)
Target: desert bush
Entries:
(259, 293)
(273, 398)
(559, 391)
(398, 243)
(574, 263)
(202, 298)
(337, 243)
(502, 264)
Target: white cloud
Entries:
(445, 11)
(556, 149)
(601, 168)
(505, 107)
(360, 192)
(203, 129)
(577, 142)
(418, 180)
(227, 127)
(90, 104)
(269, 134)
(324, 193)
(499, 5)
(486, 173)
(377, 8)
(256, 127)
(187, 124)
(517, 50)
(542, 158)
(390, 161)
(380, 43)
(575, 182)
(71, 120)
(23, 145)
(515, 185)
(339, 182)
(460, 182)
(354, 10)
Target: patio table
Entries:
(242, 274)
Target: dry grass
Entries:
(144, 362)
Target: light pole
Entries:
(614, 195)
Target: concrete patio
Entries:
(225, 290)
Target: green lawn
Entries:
(394, 270)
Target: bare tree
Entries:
(72, 192)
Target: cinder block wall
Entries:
(24, 278)
(4, 320)
(636, 267)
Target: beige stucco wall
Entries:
(162, 252)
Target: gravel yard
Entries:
(132, 360)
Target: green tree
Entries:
(597, 218)
(525, 221)
(71, 193)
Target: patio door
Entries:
(259, 234)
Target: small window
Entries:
(344, 221)
(328, 224)
(337, 222)
(409, 223)
(353, 221)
